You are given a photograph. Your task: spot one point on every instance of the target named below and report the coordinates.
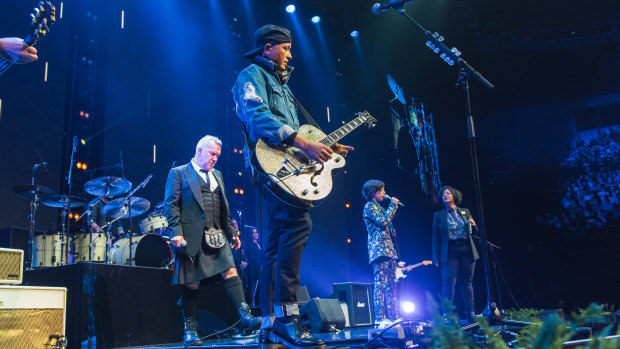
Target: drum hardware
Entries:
(34, 194)
(153, 223)
(123, 208)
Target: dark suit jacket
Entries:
(184, 209)
(441, 238)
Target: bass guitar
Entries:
(294, 178)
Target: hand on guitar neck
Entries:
(318, 151)
(14, 50)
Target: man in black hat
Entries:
(268, 110)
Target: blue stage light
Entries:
(290, 8)
(316, 19)
(408, 307)
(355, 34)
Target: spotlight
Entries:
(316, 19)
(83, 141)
(290, 8)
(355, 34)
(407, 307)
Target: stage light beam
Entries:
(290, 8)
(354, 34)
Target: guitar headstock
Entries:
(367, 118)
(42, 18)
(427, 262)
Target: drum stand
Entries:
(31, 217)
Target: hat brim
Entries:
(253, 52)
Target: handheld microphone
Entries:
(183, 243)
(390, 198)
(377, 8)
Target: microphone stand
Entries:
(127, 201)
(451, 56)
(33, 210)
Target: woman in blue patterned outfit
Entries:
(382, 250)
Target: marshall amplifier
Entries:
(356, 301)
(11, 266)
(32, 317)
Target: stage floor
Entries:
(343, 339)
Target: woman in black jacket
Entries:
(453, 248)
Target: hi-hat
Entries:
(64, 201)
(119, 208)
(396, 89)
(107, 186)
(30, 192)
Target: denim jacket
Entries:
(265, 105)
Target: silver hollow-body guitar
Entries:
(294, 178)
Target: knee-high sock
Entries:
(189, 303)
(234, 289)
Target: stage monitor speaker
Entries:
(303, 296)
(356, 298)
(322, 315)
(11, 266)
(32, 317)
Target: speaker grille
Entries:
(11, 266)
(30, 328)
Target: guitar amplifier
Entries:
(32, 317)
(357, 302)
(11, 266)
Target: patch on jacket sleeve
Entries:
(249, 93)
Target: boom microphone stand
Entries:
(452, 56)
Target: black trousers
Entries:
(460, 265)
(288, 229)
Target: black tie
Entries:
(208, 179)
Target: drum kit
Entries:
(149, 248)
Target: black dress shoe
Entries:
(263, 336)
(191, 333)
(294, 335)
(248, 322)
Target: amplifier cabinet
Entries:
(11, 266)
(32, 317)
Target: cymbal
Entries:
(28, 192)
(107, 186)
(117, 208)
(398, 91)
(63, 200)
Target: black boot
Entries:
(191, 333)
(263, 336)
(248, 322)
(294, 335)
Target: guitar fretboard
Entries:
(335, 136)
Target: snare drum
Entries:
(154, 223)
(98, 252)
(49, 248)
(149, 250)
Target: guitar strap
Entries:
(305, 113)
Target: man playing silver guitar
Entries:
(268, 110)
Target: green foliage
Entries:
(524, 314)
(548, 334)
(596, 314)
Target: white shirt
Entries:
(200, 171)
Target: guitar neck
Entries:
(337, 135)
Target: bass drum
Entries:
(52, 250)
(149, 250)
